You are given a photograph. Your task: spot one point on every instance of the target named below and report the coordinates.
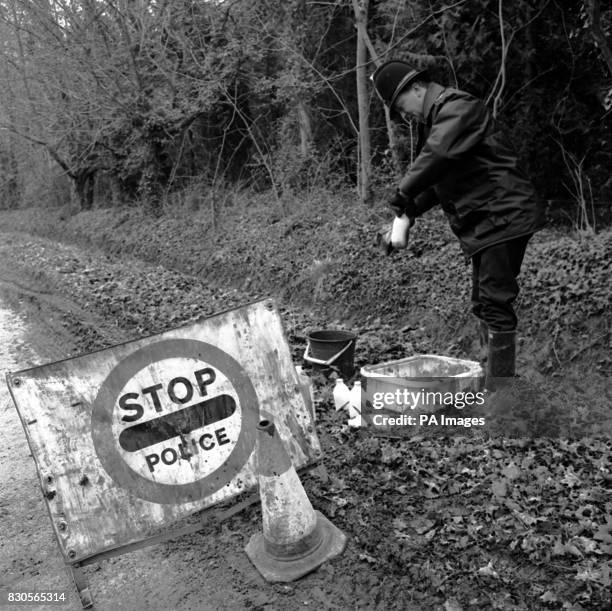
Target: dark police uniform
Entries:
(465, 164)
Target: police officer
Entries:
(466, 165)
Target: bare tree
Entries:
(364, 187)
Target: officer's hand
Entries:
(402, 204)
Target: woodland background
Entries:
(128, 102)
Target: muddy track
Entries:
(50, 299)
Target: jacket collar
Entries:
(434, 91)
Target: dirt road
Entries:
(29, 559)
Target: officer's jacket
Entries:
(465, 163)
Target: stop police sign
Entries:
(175, 421)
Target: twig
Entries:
(585, 348)
(578, 178)
(554, 347)
(420, 25)
(447, 56)
(505, 46)
(598, 35)
(265, 158)
(324, 79)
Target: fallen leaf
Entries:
(368, 558)
(488, 570)
(511, 472)
(558, 548)
(525, 518)
(452, 604)
(500, 488)
(401, 536)
(548, 597)
(588, 546)
(340, 501)
(570, 478)
(589, 575)
(432, 491)
(390, 455)
(572, 549)
(337, 483)
(604, 533)
(512, 505)
(421, 525)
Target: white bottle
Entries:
(399, 232)
(355, 406)
(342, 395)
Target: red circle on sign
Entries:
(102, 418)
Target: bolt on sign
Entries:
(132, 438)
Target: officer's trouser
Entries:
(494, 285)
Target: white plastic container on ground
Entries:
(342, 395)
(355, 406)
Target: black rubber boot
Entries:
(501, 359)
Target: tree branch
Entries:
(598, 35)
(501, 75)
(420, 25)
(52, 151)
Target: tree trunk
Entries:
(361, 27)
(305, 128)
(82, 190)
(364, 176)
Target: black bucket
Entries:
(332, 349)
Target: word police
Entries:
(169, 456)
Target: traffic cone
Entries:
(296, 539)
